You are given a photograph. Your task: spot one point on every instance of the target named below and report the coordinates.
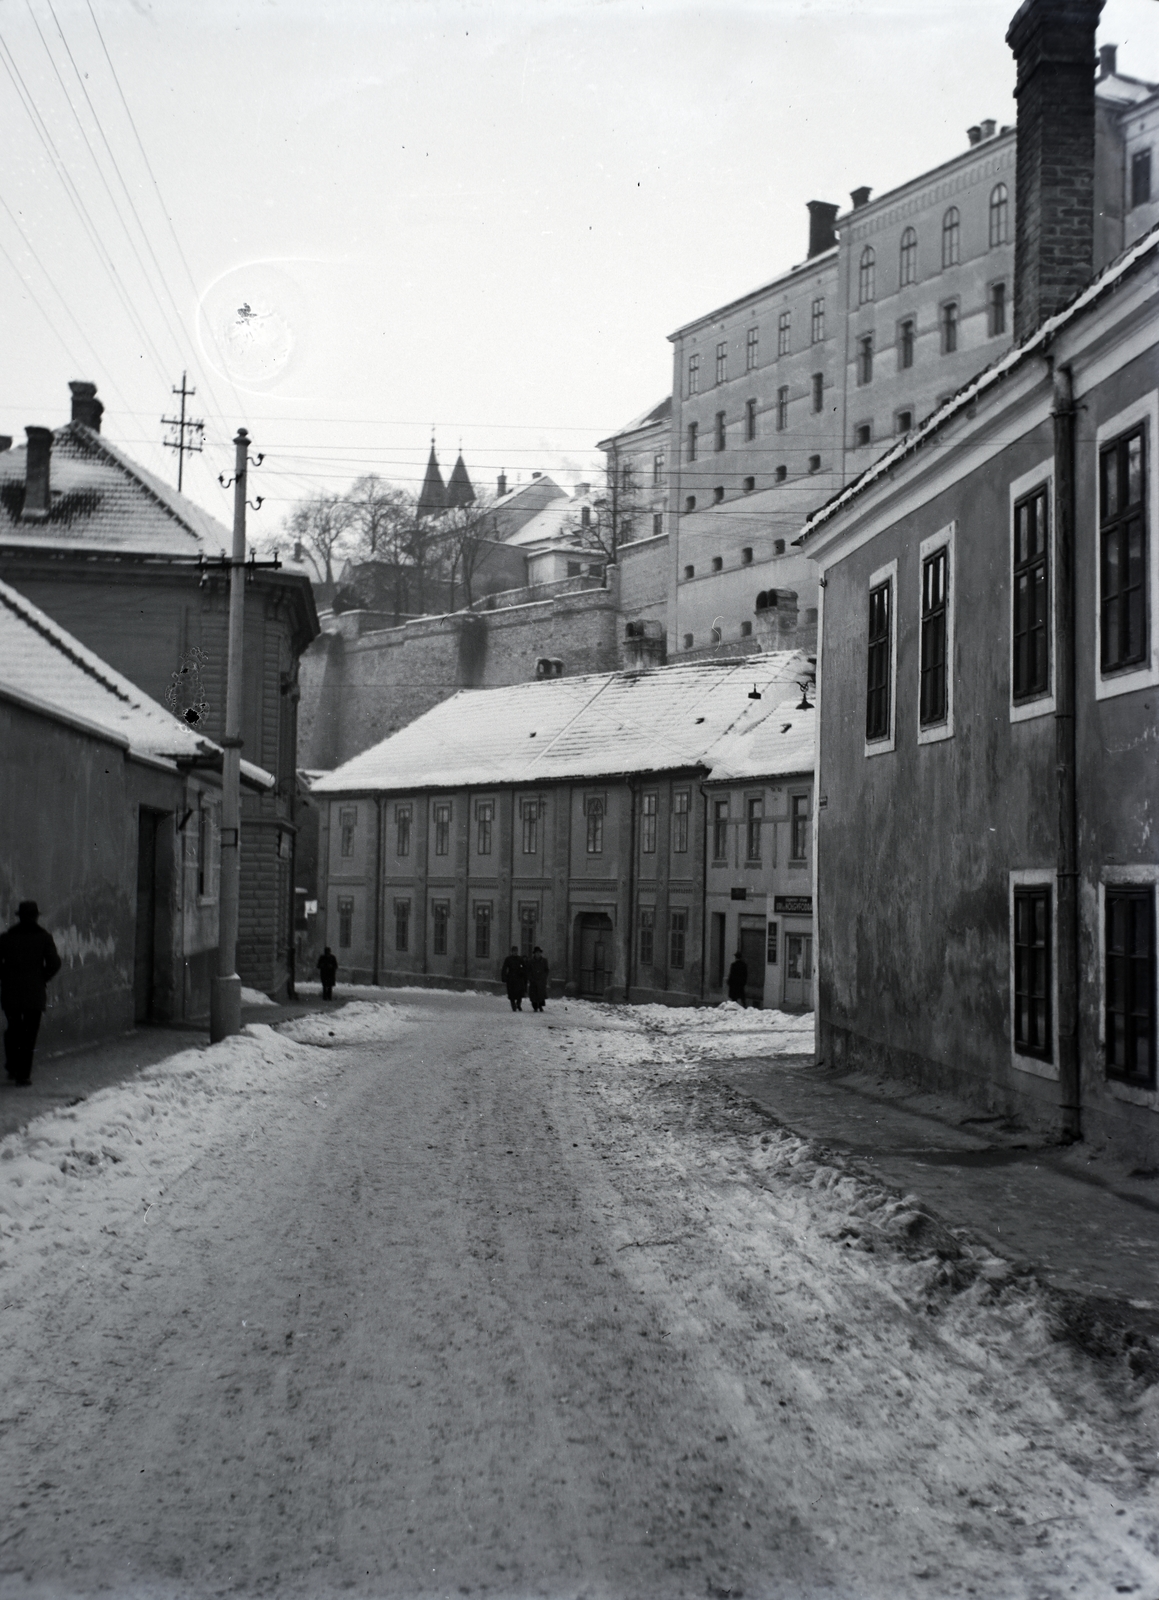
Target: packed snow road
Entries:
(429, 1299)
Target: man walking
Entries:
(537, 979)
(738, 977)
(327, 971)
(514, 974)
(28, 959)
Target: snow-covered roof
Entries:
(971, 392)
(660, 412)
(103, 500)
(697, 715)
(45, 668)
(558, 520)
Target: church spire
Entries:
(460, 490)
(433, 495)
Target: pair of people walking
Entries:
(525, 977)
(28, 960)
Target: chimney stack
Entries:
(1107, 62)
(502, 484)
(822, 233)
(974, 134)
(37, 502)
(1053, 42)
(989, 127)
(5, 442)
(86, 408)
(860, 197)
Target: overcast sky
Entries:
(485, 217)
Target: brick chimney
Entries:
(822, 233)
(5, 442)
(860, 197)
(1107, 60)
(37, 502)
(502, 484)
(1053, 42)
(86, 407)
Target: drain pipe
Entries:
(631, 892)
(1066, 755)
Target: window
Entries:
(1140, 177)
(818, 391)
(347, 823)
(529, 816)
(799, 827)
(1030, 668)
(999, 215)
(718, 432)
(402, 830)
(904, 421)
(717, 497)
(345, 921)
(677, 932)
(721, 361)
(867, 276)
(863, 434)
(1130, 983)
(750, 419)
(1122, 552)
(997, 309)
(716, 635)
(690, 503)
(442, 827)
(441, 914)
(771, 945)
(878, 675)
(751, 349)
(657, 524)
(690, 572)
(780, 474)
(746, 556)
(951, 238)
(484, 818)
(909, 257)
(814, 463)
(778, 547)
(746, 630)
(595, 816)
(658, 468)
(782, 408)
(482, 929)
(647, 932)
(402, 924)
(933, 702)
(680, 803)
(718, 561)
(693, 435)
(720, 830)
(528, 922)
(949, 327)
(648, 807)
(688, 641)
(865, 359)
(784, 324)
(574, 569)
(585, 516)
(754, 811)
(694, 374)
(817, 321)
(1032, 940)
(906, 335)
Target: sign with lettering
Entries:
(794, 905)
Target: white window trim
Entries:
(1114, 877)
(1035, 877)
(881, 747)
(1043, 705)
(1146, 410)
(947, 537)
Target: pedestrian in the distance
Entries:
(738, 977)
(28, 959)
(514, 974)
(537, 979)
(328, 971)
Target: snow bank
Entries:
(361, 1022)
(255, 997)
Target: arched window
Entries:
(909, 256)
(866, 276)
(951, 238)
(999, 215)
(762, 601)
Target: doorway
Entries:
(144, 949)
(799, 971)
(596, 956)
(751, 938)
(718, 966)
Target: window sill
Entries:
(1034, 1065)
(1027, 710)
(1133, 1094)
(936, 733)
(880, 747)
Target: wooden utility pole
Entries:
(184, 425)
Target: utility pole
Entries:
(183, 425)
(225, 991)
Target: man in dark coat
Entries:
(514, 974)
(537, 979)
(328, 971)
(28, 959)
(738, 977)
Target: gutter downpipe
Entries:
(379, 892)
(706, 953)
(1066, 755)
(631, 917)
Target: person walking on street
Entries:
(327, 971)
(738, 977)
(28, 959)
(514, 974)
(537, 979)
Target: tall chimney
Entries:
(5, 442)
(1107, 61)
(86, 407)
(36, 475)
(1053, 42)
(822, 233)
(502, 484)
(860, 197)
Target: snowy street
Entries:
(425, 1299)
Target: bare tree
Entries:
(617, 507)
(380, 518)
(464, 533)
(321, 527)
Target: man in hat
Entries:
(28, 959)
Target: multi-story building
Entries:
(638, 826)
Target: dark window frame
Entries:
(950, 324)
(996, 308)
(864, 359)
(867, 276)
(754, 809)
(951, 237)
(483, 919)
(817, 321)
(440, 926)
(402, 926)
(681, 810)
(1032, 937)
(442, 820)
(934, 668)
(1124, 555)
(750, 420)
(1140, 177)
(677, 938)
(879, 663)
(694, 374)
(908, 258)
(1129, 983)
(783, 408)
(718, 431)
(752, 349)
(649, 814)
(484, 826)
(1031, 580)
(999, 215)
(720, 824)
(693, 440)
(800, 826)
(907, 335)
(646, 931)
(402, 823)
(722, 361)
(594, 815)
(784, 333)
(345, 921)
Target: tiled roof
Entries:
(44, 666)
(559, 519)
(102, 500)
(688, 716)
